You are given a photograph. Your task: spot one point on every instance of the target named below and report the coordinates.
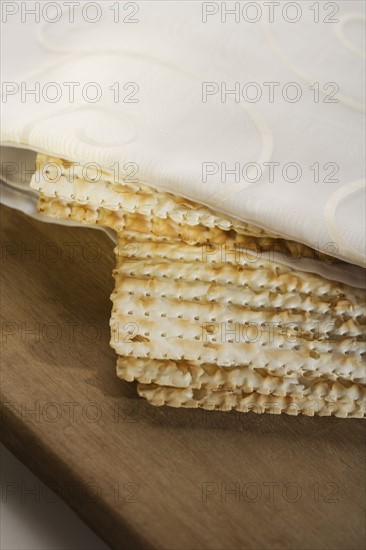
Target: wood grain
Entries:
(145, 477)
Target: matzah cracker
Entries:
(73, 182)
(156, 211)
(216, 241)
(180, 321)
(252, 402)
(185, 374)
(192, 287)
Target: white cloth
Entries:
(174, 136)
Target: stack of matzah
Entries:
(204, 317)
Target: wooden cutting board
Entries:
(146, 477)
